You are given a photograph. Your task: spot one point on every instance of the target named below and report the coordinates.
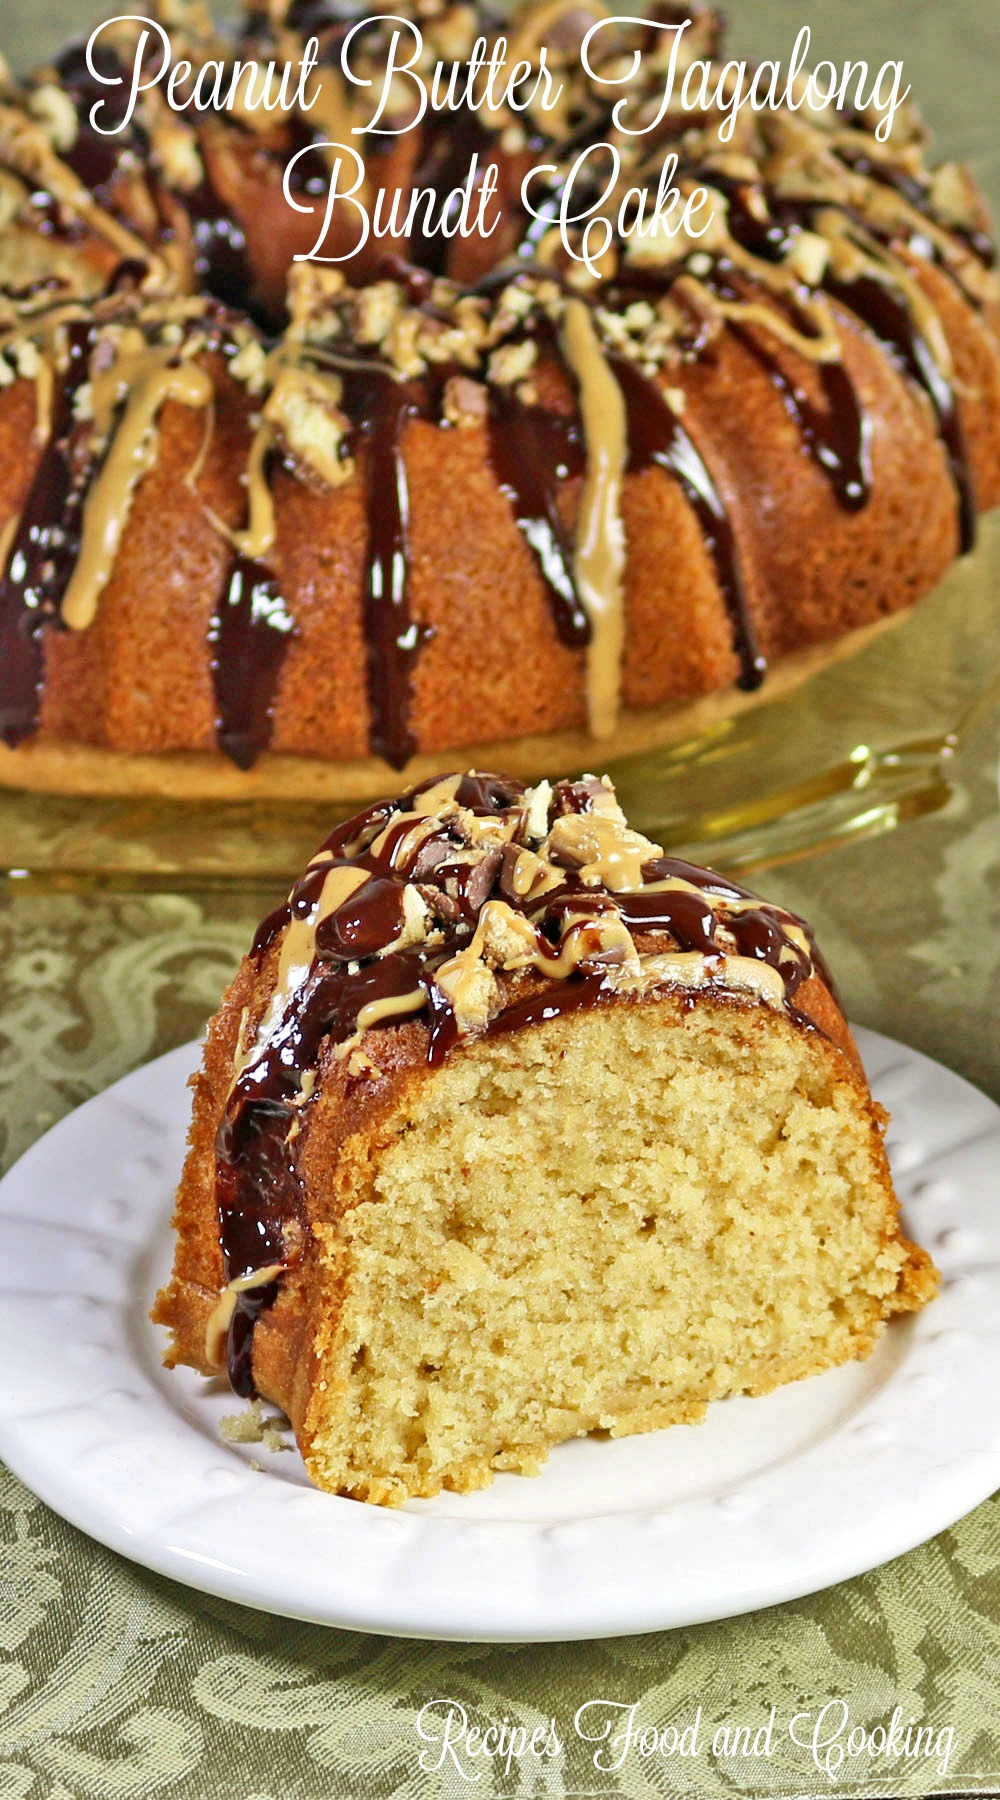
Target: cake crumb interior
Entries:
(600, 1223)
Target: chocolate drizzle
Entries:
(445, 166)
(396, 912)
(250, 635)
(886, 314)
(837, 433)
(379, 407)
(895, 327)
(655, 435)
(220, 246)
(43, 552)
(533, 452)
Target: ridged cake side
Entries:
(250, 512)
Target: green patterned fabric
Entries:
(114, 1684)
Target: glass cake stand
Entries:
(858, 747)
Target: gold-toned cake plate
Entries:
(839, 746)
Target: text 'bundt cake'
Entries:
(457, 490)
(512, 1128)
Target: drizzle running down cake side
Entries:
(259, 516)
(512, 1128)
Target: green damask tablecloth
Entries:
(115, 1684)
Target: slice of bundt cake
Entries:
(512, 1128)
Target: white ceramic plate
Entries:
(769, 1499)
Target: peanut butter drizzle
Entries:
(382, 1012)
(434, 801)
(45, 382)
(824, 349)
(257, 539)
(220, 1317)
(820, 345)
(8, 532)
(27, 147)
(142, 379)
(532, 877)
(298, 950)
(599, 560)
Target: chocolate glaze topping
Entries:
(471, 906)
(379, 408)
(534, 452)
(249, 635)
(769, 230)
(893, 325)
(41, 556)
(655, 435)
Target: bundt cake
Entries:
(324, 516)
(512, 1128)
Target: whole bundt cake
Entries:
(321, 516)
(512, 1128)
